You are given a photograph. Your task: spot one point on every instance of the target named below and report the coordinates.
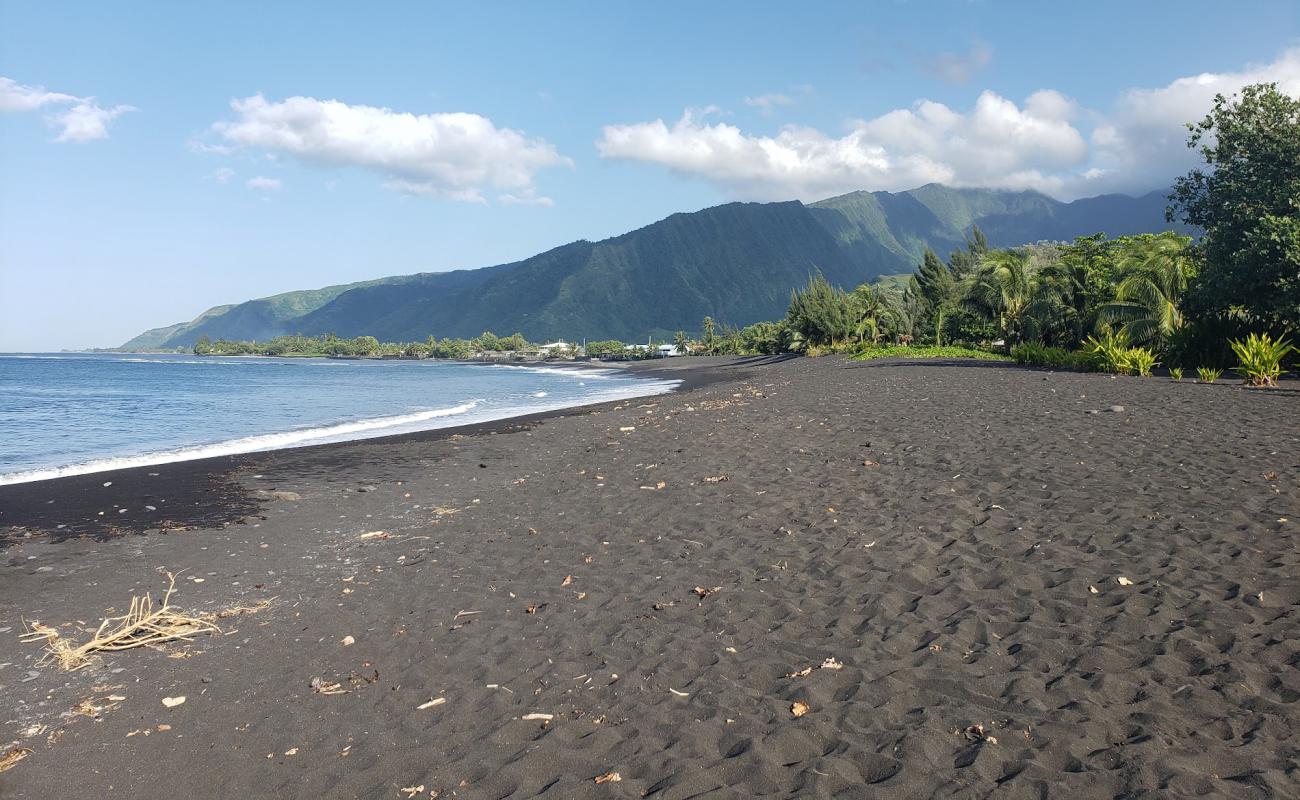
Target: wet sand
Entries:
(1017, 597)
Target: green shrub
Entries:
(1108, 352)
(1139, 360)
(1208, 374)
(1260, 357)
(1176, 373)
(947, 351)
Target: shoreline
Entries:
(196, 452)
(205, 498)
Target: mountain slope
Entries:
(735, 262)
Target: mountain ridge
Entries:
(736, 262)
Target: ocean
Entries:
(70, 414)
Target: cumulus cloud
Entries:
(264, 183)
(223, 175)
(959, 68)
(79, 119)
(1045, 142)
(459, 156)
(1142, 140)
(996, 142)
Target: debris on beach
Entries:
(829, 663)
(1122, 581)
(141, 626)
(537, 716)
(172, 702)
(437, 701)
(704, 592)
(568, 580)
(798, 709)
(373, 535)
(978, 733)
(608, 777)
(347, 641)
(10, 759)
(716, 479)
(322, 686)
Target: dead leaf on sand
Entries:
(568, 579)
(1122, 581)
(799, 709)
(608, 777)
(437, 701)
(1094, 590)
(716, 479)
(657, 486)
(374, 535)
(412, 791)
(534, 608)
(172, 702)
(704, 592)
(348, 641)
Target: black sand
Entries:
(953, 534)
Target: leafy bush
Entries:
(1040, 355)
(1208, 374)
(1108, 352)
(1139, 360)
(1260, 357)
(1176, 373)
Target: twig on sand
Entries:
(10, 759)
(141, 626)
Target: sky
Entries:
(159, 159)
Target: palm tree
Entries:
(1154, 271)
(682, 343)
(1003, 289)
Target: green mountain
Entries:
(735, 262)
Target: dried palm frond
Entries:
(142, 626)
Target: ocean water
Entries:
(69, 414)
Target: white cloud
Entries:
(1142, 141)
(959, 68)
(767, 102)
(1041, 143)
(452, 155)
(86, 122)
(995, 143)
(265, 184)
(79, 119)
(223, 175)
(16, 97)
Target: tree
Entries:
(821, 314)
(682, 342)
(365, 346)
(1154, 274)
(1247, 201)
(709, 328)
(203, 346)
(937, 284)
(1002, 290)
(965, 263)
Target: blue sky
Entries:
(157, 160)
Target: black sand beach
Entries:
(1012, 596)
